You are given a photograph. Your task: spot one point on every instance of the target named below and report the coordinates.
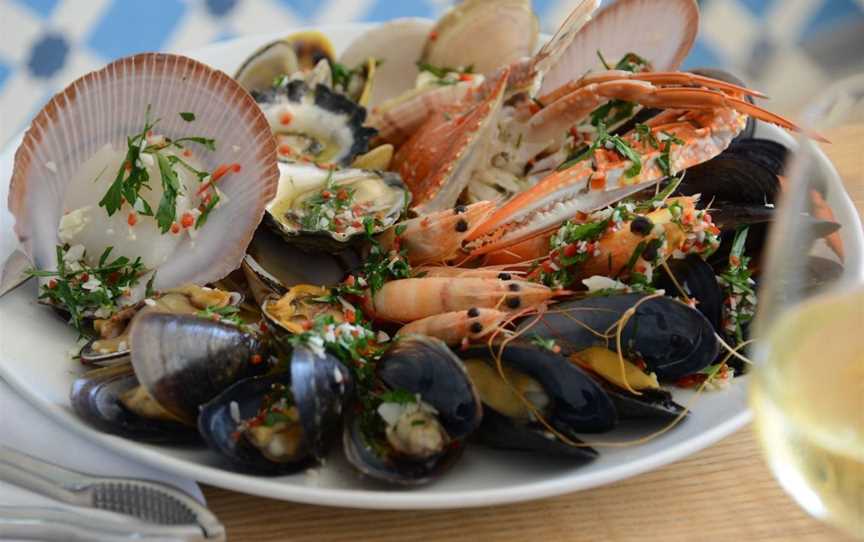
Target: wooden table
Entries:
(723, 493)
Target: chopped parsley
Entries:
(228, 314)
(739, 288)
(326, 209)
(545, 343)
(604, 139)
(132, 177)
(571, 246)
(398, 396)
(85, 291)
(445, 75)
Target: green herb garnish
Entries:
(187, 116)
(83, 290)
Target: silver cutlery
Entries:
(151, 510)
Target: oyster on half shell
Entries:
(314, 124)
(326, 209)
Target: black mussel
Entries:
(730, 179)
(499, 431)
(654, 404)
(672, 338)
(759, 218)
(699, 282)
(559, 392)
(765, 152)
(413, 432)
(184, 361)
(112, 344)
(635, 393)
(279, 423)
(723, 75)
(111, 399)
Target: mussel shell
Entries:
(91, 357)
(499, 431)
(729, 178)
(95, 398)
(400, 471)
(219, 428)
(699, 282)
(765, 152)
(184, 361)
(321, 387)
(653, 404)
(672, 338)
(426, 366)
(579, 404)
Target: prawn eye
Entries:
(504, 276)
(513, 287)
(513, 302)
(462, 226)
(476, 327)
(473, 312)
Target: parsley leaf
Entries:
(399, 396)
(166, 215)
(187, 116)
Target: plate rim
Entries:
(399, 499)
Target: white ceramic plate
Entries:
(33, 359)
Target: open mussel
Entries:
(184, 361)
(112, 345)
(559, 392)
(279, 423)
(323, 210)
(672, 338)
(111, 399)
(298, 52)
(635, 393)
(698, 281)
(412, 432)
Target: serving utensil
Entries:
(114, 508)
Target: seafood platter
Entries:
(410, 264)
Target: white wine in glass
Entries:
(808, 400)
(807, 391)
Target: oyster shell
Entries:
(314, 124)
(325, 209)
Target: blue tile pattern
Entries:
(130, 27)
(42, 7)
(47, 43)
(48, 55)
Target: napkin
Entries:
(27, 430)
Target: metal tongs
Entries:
(100, 508)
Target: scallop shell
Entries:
(484, 34)
(398, 44)
(108, 105)
(662, 31)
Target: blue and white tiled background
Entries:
(787, 48)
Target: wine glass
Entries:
(808, 386)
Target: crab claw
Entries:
(437, 161)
